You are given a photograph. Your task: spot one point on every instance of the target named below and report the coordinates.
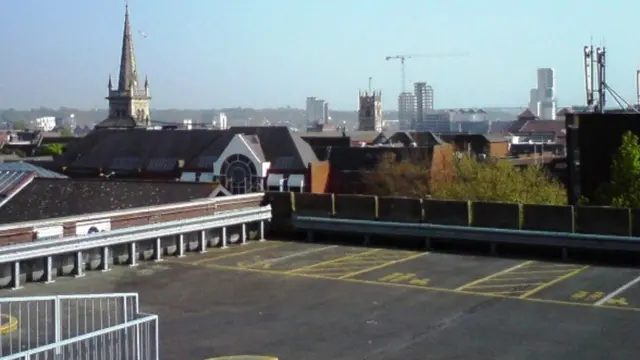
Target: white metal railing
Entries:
(150, 210)
(93, 326)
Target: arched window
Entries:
(238, 174)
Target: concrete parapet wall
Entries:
(548, 218)
(399, 209)
(603, 220)
(360, 207)
(496, 215)
(447, 212)
(281, 210)
(309, 204)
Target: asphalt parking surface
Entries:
(318, 301)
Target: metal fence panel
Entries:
(136, 339)
(44, 320)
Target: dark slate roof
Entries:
(27, 167)
(283, 148)
(50, 198)
(119, 122)
(161, 150)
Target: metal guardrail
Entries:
(488, 235)
(19, 252)
(95, 326)
(77, 246)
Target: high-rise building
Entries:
(370, 111)
(406, 110)
(424, 101)
(542, 99)
(547, 93)
(129, 102)
(317, 111)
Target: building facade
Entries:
(370, 111)
(406, 110)
(317, 111)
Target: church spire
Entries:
(128, 74)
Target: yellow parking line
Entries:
(228, 255)
(505, 271)
(348, 257)
(503, 285)
(388, 263)
(555, 281)
(426, 288)
(541, 272)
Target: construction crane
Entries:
(402, 59)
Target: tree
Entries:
(469, 179)
(623, 189)
(500, 181)
(398, 178)
(52, 149)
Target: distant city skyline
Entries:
(223, 54)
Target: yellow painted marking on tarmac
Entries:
(228, 255)
(389, 263)
(348, 258)
(424, 288)
(553, 282)
(505, 271)
(542, 272)
(503, 292)
(504, 285)
(10, 324)
(618, 301)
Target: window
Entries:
(238, 174)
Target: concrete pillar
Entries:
(78, 265)
(223, 237)
(262, 231)
(48, 270)
(105, 259)
(203, 241)
(244, 234)
(180, 245)
(493, 248)
(157, 250)
(133, 254)
(15, 276)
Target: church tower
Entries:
(370, 111)
(129, 102)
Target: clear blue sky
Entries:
(268, 53)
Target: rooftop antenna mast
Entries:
(597, 58)
(638, 89)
